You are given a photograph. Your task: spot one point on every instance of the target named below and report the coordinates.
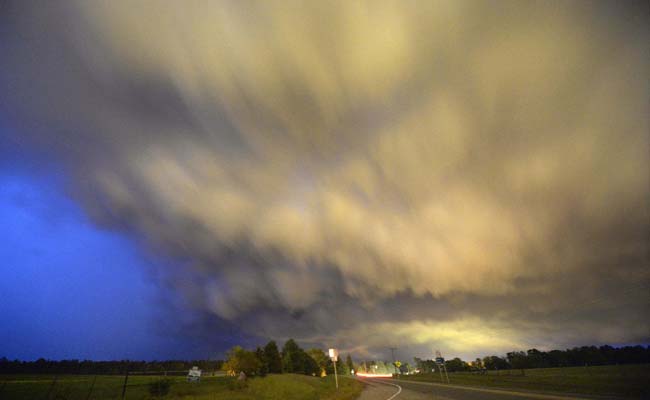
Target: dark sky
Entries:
(461, 176)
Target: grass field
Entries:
(272, 387)
(624, 380)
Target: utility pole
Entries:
(392, 352)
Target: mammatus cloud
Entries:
(455, 174)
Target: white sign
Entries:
(194, 374)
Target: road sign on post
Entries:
(440, 360)
(334, 355)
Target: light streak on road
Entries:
(364, 375)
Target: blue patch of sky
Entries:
(70, 289)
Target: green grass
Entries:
(272, 387)
(623, 380)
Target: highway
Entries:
(390, 389)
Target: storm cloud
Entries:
(467, 176)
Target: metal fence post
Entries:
(126, 378)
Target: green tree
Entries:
(345, 370)
(456, 364)
(349, 363)
(321, 359)
(518, 360)
(264, 364)
(273, 358)
(558, 358)
(380, 368)
(427, 366)
(362, 367)
(309, 366)
(296, 360)
(290, 362)
(495, 363)
(341, 367)
(240, 360)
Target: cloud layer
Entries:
(439, 175)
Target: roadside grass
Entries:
(272, 387)
(280, 387)
(619, 380)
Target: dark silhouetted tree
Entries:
(273, 358)
(290, 362)
(518, 360)
(495, 363)
(349, 363)
(321, 359)
(456, 364)
(295, 360)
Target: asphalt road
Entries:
(389, 389)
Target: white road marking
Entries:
(504, 391)
(399, 389)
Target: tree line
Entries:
(533, 358)
(291, 359)
(261, 361)
(42, 366)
